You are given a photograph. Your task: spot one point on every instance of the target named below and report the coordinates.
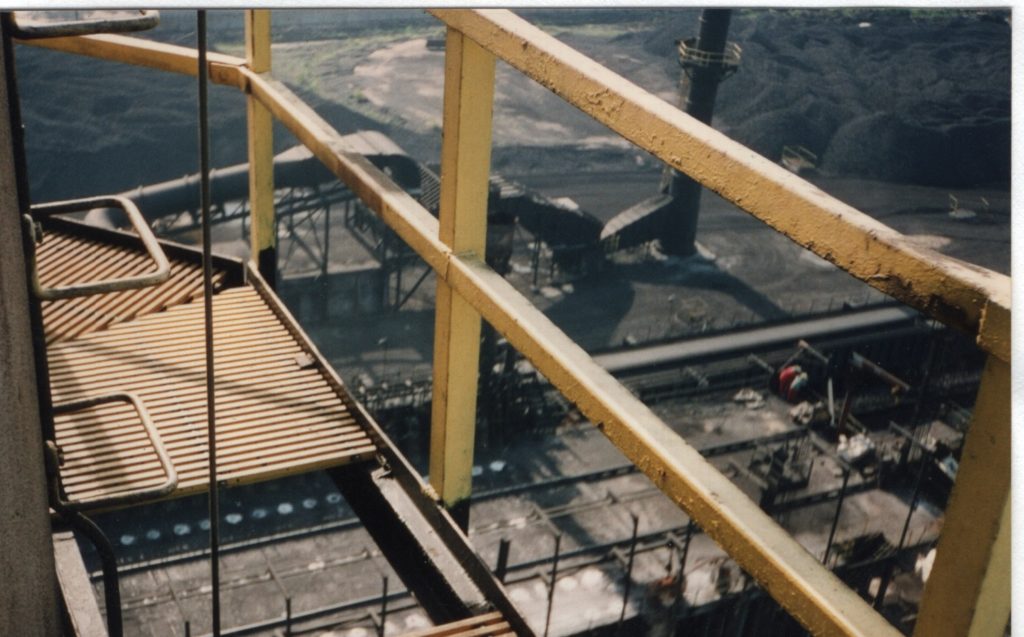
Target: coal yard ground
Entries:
(907, 113)
(297, 541)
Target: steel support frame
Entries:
(465, 169)
(263, 226)
(395, 501)
(424, 563)
(972, 299)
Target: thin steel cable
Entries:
(211, 412)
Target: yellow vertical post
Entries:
(465, 169)
(263, 226)
(968, 591)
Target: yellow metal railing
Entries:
(968, 592)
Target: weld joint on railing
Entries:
(229, 74)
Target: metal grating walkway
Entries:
(278, 411)
(64, 258)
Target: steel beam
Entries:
(968, 592)
(81, 609)
(465, 169)
(136, 51)
(263, 226)
(411, 545)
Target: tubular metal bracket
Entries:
(163, 267)
(133, 497)
(34, 25)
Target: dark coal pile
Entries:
(911, 96)
(905, 96)
(94, 127)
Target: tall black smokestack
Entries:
(705, 63)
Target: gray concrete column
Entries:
(28, 588)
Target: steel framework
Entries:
(968, 592)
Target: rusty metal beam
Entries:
(425, 563)
(959, 294)
(465, 169)
(968, 592)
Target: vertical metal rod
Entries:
(844, 412)
(627, 587)
(913, 502)
(686, 551)
(188, 628)
(501, 569)
(681, 586)
(288, 616)
(922, 389)
(325, 271)
(554, 581)
(890, 567)
(535, 258)
(211, 414)
(686, 545)
(835, 519)
(383, 608)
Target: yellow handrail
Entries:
(965, 296)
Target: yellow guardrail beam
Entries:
(968, 592)
(959, 294)
(263, 222)
(465, 171)
(815, 596)
(135, 51)
(812, 594)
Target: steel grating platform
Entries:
(281, 410)
(64, 258)
(278, 411)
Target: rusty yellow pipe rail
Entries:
(967, 297)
